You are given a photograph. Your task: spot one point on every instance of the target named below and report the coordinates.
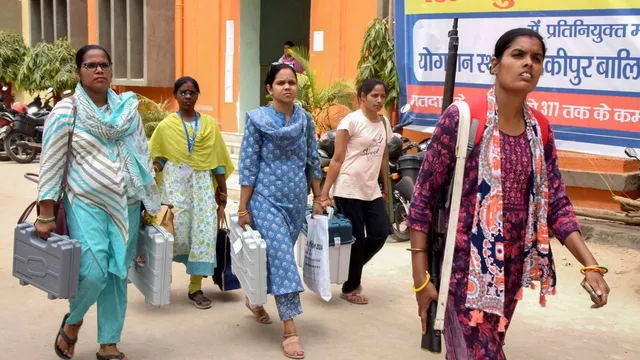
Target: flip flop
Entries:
(292, 339)
(110, 357)
(262, 319)
(355, 298)
(203, 299)
(65, 337)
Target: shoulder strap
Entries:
(386, 132)
(65, 173)
(544, 126)
(307, 116)
(478, 107)
(386, 162)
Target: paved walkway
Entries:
(386, 329)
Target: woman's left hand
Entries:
(221, 198)
(317, 209)
(596, 281)
(221, 214)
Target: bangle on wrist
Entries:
(46, 220)
(242, 213)
(597, 268)
(423, 286)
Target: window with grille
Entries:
(56, 19)
(121, 30)
(139, 35)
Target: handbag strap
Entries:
(27, 212)
(222, 223)
(33, 177)
(386, 163)
(65, 173)
(307, 116)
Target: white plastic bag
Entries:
(316, 271)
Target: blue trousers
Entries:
(288, 305)
(103, 266)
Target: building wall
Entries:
(11, 16)
(250, 75)
(204, 57)
(343, 23)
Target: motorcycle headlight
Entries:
(32, 109)
(423, 146)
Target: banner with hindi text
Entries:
(590, 90)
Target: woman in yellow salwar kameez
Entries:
(188, 150)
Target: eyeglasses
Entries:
(184, 93)
(93, 66)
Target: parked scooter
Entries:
(24, 141)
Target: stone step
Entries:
(233, 187)
(233, 147)
(231, 137)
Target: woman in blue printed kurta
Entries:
(110, 177)
(278, 144)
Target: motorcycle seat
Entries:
(32, 120)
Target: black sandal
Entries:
(110, 356)
(203, 299)
(70, 342)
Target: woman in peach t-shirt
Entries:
(355, 168)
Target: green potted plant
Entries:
(377, 60)
(49, 65)
(12, 53)
(319, 101)
(152, 113)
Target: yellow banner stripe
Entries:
(485, 6)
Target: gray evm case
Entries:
(51, 265)
(153, 279)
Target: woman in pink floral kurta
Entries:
(518, 52)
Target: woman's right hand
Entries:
(244, 220)
(424, 299)
(45, 229)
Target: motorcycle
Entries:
(6, 120)
(24, 141)
(404, 167)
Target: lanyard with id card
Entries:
(185, 170)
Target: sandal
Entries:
(262, 319)
(70, 342)
(355, 298)
(200, 303)
(292, 339)
(119, 356)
